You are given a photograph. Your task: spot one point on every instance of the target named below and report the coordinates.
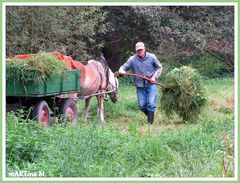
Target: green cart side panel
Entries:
(68, 83)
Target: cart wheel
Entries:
(41, 113)
(68, 109)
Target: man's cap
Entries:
(139, 46)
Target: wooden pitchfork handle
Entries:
(140, 76)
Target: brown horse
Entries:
(97, 79)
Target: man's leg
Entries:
(151, 102)
(142, 100)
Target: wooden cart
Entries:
(56, 96)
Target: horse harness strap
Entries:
(107, 76)
(95, 94)
(97, 68)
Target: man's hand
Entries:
(121, 71)
(153, 80)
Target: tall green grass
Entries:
(126, 146)
(220, 88)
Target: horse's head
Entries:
(112, 81)
(112, 86)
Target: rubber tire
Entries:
(41, 113)
(69, 107)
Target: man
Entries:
(145, 64)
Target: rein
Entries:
(95, 94)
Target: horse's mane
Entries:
(103, 61)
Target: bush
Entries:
(209, 66)
(23, 140)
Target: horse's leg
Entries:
(87, 107)
(100, 107)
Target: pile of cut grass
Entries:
(34, 69)
(184, 94)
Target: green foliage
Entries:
(223, 86)
(209, 66)
(183, 31)
(107, 152)
(126, 146)
(23, 140)
(172, 32)
(183, 94)
(126, 81)
(71, 30)
(35, 68)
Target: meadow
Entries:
(126, 146)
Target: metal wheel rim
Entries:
(44, 116)
(70, 114)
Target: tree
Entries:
(183, 31)
(124, 28)
(172, 32)
(74, 31)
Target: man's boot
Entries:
(145, 112)
(150, 117)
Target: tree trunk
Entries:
(112, 50)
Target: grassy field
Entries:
(126, 146)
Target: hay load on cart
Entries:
(44, 83)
